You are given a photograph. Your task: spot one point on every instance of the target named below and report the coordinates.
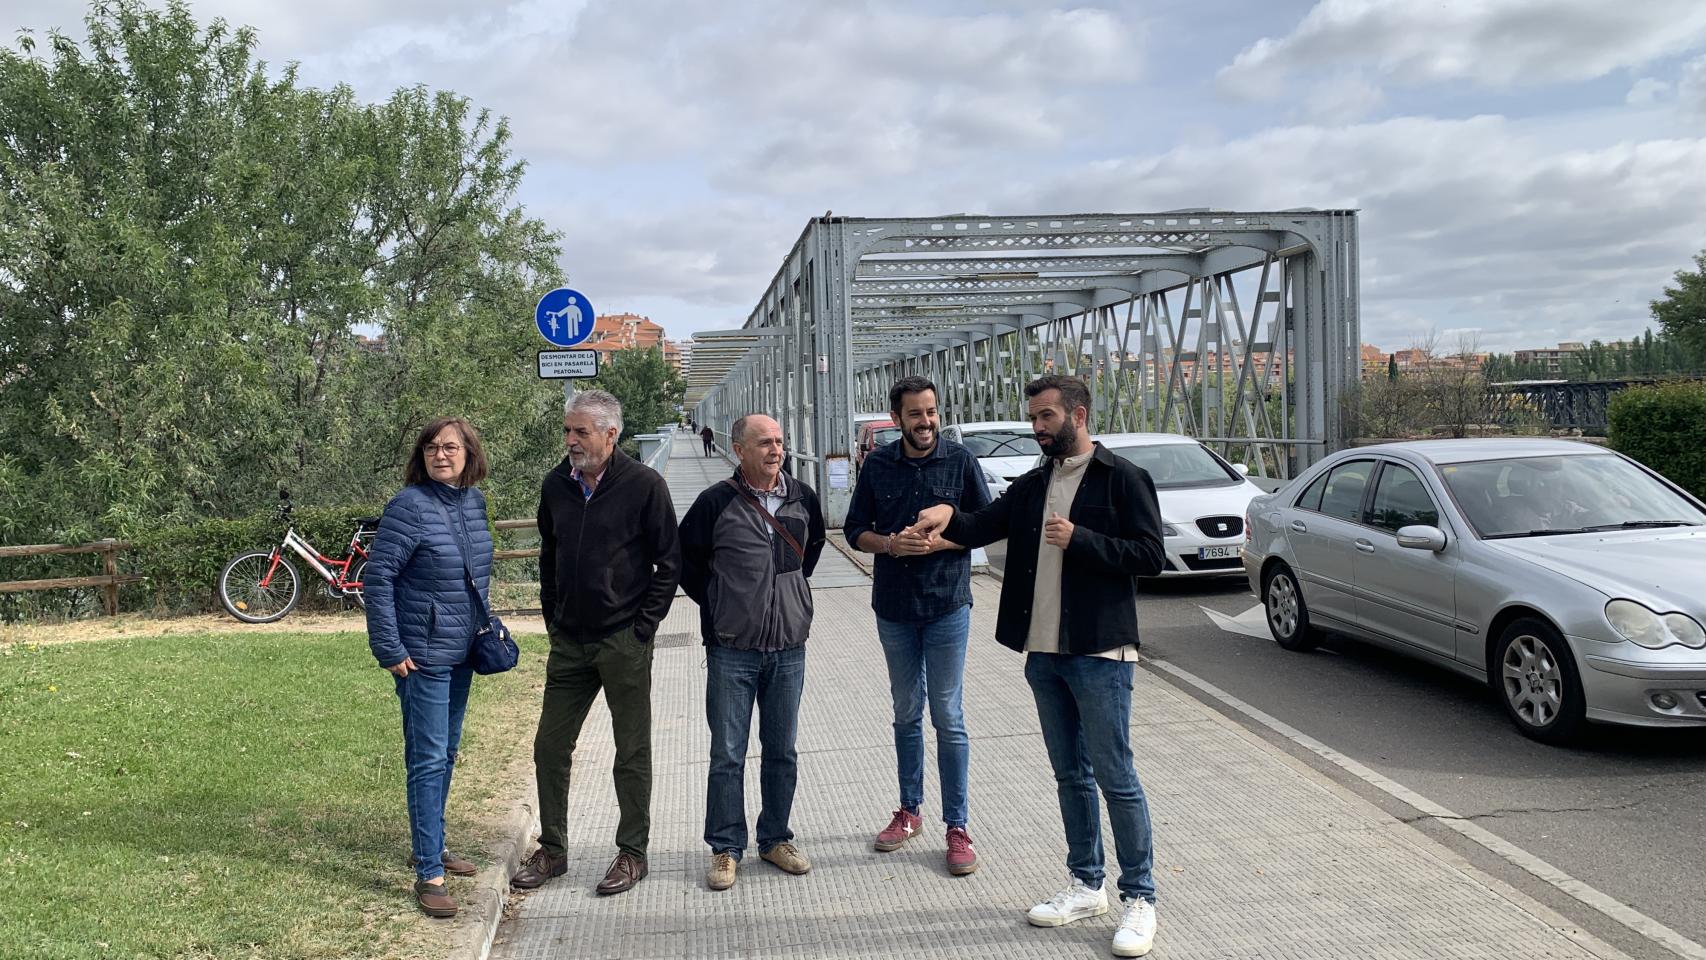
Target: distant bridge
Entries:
(1564, 404)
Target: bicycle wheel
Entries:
(357, 570)
(243, 595)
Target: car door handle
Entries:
(1365, 546)
(1299, 526)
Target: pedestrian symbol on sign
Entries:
(564, 317)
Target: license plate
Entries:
(1216, 553)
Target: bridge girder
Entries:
(1146, 307)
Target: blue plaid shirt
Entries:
(892, 489)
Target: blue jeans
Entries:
(735, 681)
(434, 700)
(929, 659)
(1084, 704)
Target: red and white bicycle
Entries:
(261, 586)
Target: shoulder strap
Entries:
(752, 502)
(467, 571)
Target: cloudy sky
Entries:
(1532, 170)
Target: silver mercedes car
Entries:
(1570, 577)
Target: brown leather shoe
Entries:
(537, 869)
(453, 864)
(625, 871)
(435, 899)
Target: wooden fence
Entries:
(109, 580)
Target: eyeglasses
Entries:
(448, 449)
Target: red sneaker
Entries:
(962, 857)
(899, 830)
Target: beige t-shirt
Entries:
(1044, 636)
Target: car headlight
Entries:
(991, 478)
(1647, 628)
(1168, 530)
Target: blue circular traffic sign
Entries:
(564, 317)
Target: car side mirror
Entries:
(1242, 468)
(1421, 537)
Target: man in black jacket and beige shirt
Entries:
(609, 561)
(1078, 529)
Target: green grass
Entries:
(227, 795)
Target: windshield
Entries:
(1002, 443)
(1174, 466)
(1541, 496)
(885, 435)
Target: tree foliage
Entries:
(649, 389)
(1646, 356)
(1682, 310)
(214, 281)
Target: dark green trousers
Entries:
(574, 673)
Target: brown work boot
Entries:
(721, 876)
(537, 869)
(788, 857)
(625, 871)
(453, 864)
(435, 899)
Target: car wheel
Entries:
(1288, 617)
(1535, 676)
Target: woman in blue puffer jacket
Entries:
(426, 589)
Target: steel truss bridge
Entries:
(1241, 329)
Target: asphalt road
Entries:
(1624, 812)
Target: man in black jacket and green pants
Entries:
(1079, 529)
(609, 562)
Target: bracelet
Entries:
(888, 546)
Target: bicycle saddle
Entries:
(367, 521)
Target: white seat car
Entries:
(1203, 500)
(1005, 449)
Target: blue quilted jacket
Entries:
(418, 602)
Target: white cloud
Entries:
(1691, 89)
(1464, 222)
(1647, 90)
(862, 91)
(1496, 43)
(1342, 99)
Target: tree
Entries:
(648, 388)
(213, 281)
(1682, 310)
(1456, 389)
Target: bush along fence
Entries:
(173, 569)
(1664, 427)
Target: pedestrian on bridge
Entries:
(609, 561)
(748, 545)
(1078, 532)
(705, 437)
(921, 593)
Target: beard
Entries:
(912, 443)
(1060, 442)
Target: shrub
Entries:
(1664, 427)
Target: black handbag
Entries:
(493, 649)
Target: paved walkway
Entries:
(1256, 855)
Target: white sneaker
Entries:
(1076, 902)
(1137, 931)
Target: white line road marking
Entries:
(1251, 623)
(1635, 920)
